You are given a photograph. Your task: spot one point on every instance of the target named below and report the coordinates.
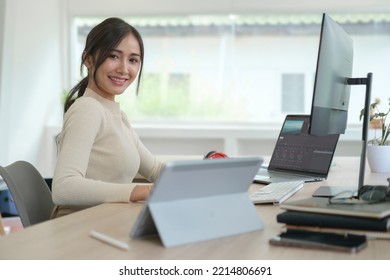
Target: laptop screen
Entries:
(297, 150)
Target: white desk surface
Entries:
(67, 237)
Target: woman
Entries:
(99, 152)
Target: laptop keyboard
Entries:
(276, 193)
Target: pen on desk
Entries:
(109, 240)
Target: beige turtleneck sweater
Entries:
(99, 155)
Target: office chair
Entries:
(2, 232)
(30, 192)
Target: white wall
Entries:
(31, 71)
(3, 139)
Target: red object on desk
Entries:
(214, 155)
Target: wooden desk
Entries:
(67, 237)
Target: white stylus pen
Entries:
(109, 240)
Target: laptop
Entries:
(298, 155)
(199, 200)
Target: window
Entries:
(241, 68)
(163, 96)
(293, 95)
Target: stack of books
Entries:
(317, 214)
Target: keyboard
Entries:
(276, 193)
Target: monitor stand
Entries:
(329, 191)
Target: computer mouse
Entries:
(375, 193)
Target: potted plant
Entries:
(378, 148)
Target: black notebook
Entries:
(333, 221)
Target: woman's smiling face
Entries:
(118, 70)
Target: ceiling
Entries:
(315, 5)
(172, 7)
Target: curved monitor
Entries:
(329, 110)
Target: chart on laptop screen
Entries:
(296, 150)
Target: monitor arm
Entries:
(366, 119)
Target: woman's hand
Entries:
(140, 192)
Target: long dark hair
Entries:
(101, 40)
